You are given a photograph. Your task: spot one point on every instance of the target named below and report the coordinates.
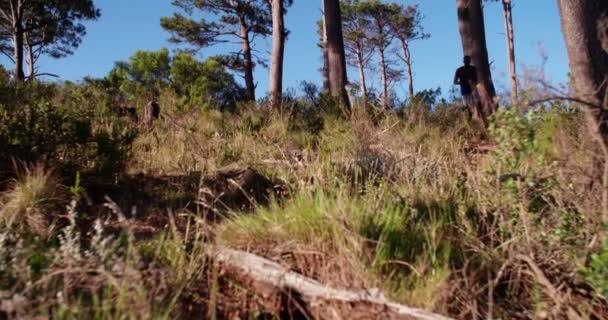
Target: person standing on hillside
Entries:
(466, 77)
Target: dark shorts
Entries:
(465, 90)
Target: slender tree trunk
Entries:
(589, 67)
(407, 58)
(361, 72)
(510, 35)
(335, 48)
(278, 51)
(325, 60)
(383, 72)
(383, 78)
(472, 33)
(30, 60)
(18, 49)
(247, 61)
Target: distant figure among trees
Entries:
(151, 112)
(466, 77)
(129, 112)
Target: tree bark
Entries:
(325, 60)
(361, 65)
(278, 51)
(383, 78)
(335, 51)
(383, 72)
(31, 69)
(589, 67)
(407, 58)
(472, 33)
(18, 46)
(247, 61)
(510, 36)
(588, 60)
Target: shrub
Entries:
(53, 124)
(32, 197)
(597, 271)
(517, 168)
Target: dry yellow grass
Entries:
(30, 199)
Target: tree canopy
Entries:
(42, 27)
(240, 20)
(197, 84)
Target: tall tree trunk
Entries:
(407, 58)
(360, 63)
(589, 67)
(278, 51)
(588, 60)
(325, 60)
(383, 72)
(18, 49)
(383, 78)
(30, 60)
(335, 48)
(473, 36)
(510, 35)
(247, 61)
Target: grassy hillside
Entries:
(102, 217)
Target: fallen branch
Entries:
(306, 296)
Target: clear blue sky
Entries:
(127, 26)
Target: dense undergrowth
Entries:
(102, 218)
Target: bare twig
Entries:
(550, 289)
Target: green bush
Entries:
(517, 149)
(190, 83)
(597, 271)
(41, 131)
(54, 124)
(517, 163)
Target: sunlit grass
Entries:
(30, 199)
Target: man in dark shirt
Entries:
(466, 77)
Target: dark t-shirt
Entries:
(466, 75)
